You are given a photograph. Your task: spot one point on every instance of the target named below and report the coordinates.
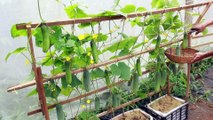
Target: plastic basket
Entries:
(178, 113)
(144, 113)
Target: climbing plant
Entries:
(66, 50)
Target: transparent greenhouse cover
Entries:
(14, 106)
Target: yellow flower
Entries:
(88, 101)
(82, 36)
(27, 62)
(83, 106)
(146, 41)
(95, 36)
(111, 31)
(91, 61)
(165, 34)
(67, 58)
(89, 54)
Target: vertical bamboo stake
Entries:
(38, 75)
(40, 86)
(32, 54)
(188, 20)
(188, 83)
(168, 85)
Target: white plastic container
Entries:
(144, 113)
(178, 113)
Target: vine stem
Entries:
(39, 11)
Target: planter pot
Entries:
(136, 114)
(168, 108)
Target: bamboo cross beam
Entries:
(113, 17)
(203, 13)
(31, 83)
(129, 103)
(84, 95)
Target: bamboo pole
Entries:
(31, 83)
(83, 95)
(40, 89)
(114, 17)
(203, 13)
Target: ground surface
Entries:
(203, 110)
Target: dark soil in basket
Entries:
(165, 104)
(134, 115)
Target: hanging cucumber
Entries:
(60, 112)
(173, 68)
(86, 80)
(185, 41)
(94, 51)
(68, 72)
(64, 82)
(135, 82)
(163, 78)
(158, 41)
(97, 103)
(138, 67)
(158, 81)
(46, 38)
(107, 77)
(115, 100)
(178, 50)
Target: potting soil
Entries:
(166, 104)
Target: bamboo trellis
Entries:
(38, 76)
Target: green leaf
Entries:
(17, 33)
(125, 71)
(115, 70)
(158, 3)
(47, 61)
(75, 81)
(151, 31)
(87, 116)
(16, 51)
(33, 92)
(176, 22)
(101, 37)
(128, 8)
(66, 91)
(73, 11)
(122, 44)
(121, 70)
(106, 13)
(141, 9)
(55, 33)
(84, 25)
(97, 73)
(56, 71)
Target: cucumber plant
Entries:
(65, 51)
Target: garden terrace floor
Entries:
(203, 110)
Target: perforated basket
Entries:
(178, 113)
(186, 55)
